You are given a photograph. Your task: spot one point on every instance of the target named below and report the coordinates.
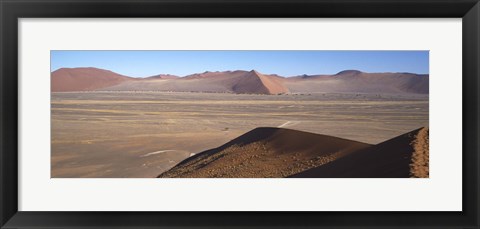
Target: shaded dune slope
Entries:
(240, 82)
(255, 83)
(390, 159)
(265, 152)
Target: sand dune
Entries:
(390, 159)
(241, 82)
(256, 83)
(274, 84)
(162, 76)
(352, 81)
(276, 152)
(219, 75)
(265, 152)
(84, 79)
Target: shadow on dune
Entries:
(269, 152)
(390, 159)
(276, 152)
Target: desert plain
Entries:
(141, 134)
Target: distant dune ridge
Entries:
(162, 76)
(241, 82)
(360, 82)
(276, 152)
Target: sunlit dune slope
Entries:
(84, 79)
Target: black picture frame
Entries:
(12, 10)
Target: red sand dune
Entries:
(246, 82)
(265, 152)
(84, 79)
(162, 76)
(255, 83)
(215, 75)
(243, 82)
(349, 81)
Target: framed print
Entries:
(256, 114)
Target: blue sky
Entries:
(285, 63)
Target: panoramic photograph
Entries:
(239, 114)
